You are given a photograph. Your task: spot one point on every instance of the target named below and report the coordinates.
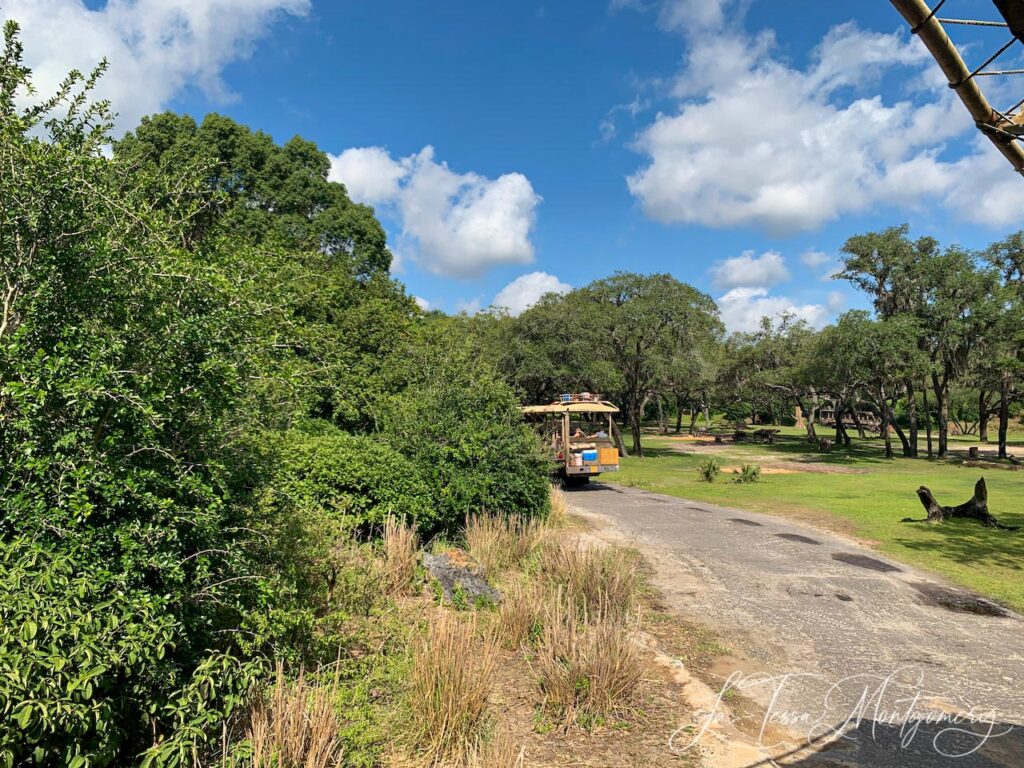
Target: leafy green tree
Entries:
(269, 194)
(1005, 361)
(644, 320)
(887, 266)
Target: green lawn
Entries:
(868, 504)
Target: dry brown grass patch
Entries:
(519, 613)
(295, 726)
(559, 515)
(498, 542)
(451, 679)
(401, 545)
(600, 579)
(589, 669)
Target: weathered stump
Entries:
(825, 445)
(975, 508)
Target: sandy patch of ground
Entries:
(767, 470)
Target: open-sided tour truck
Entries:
(580, 429)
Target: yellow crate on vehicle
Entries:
(608, 456)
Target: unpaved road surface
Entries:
(869, 661)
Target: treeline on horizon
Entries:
(944, 346)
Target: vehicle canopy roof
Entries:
(573, 406)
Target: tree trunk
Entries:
(983, 403)
(693, 421)
(902, 436)
(808, 420)
(634, 428)
(975, 508)
(1004, 413)
(662, 426)
(679, 416)
(927, 420)
(941, 391)
(856, 423)
(886, 420)
(912, 417)
(617, 437)
(707, 416)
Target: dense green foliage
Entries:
(210, 387)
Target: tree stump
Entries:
(972, 452)
(825, 445)
(975, 508)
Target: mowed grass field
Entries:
(860, 493)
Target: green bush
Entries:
(461, 425)
(81, 655)
(709, 470)
(748, 473)
(355, 481)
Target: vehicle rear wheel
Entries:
(575, 481)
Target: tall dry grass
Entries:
(295, 726)
(498, 542)
(451, 680)
(600, 579)
(590, 668)
(558, 517)
(519, 613)
(401, 545)
(497, 751)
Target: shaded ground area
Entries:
(872, 662)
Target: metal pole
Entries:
(921, 19)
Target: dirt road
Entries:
(871, 661)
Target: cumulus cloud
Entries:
(526, 290)
(756, 141)
(742, 309)
(748, 270)
(462, 224)
(422, 303)
(156, 48)
(815, 259)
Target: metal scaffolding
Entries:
(1005, 129)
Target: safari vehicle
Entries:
(579, 429)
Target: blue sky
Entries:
(515, 147)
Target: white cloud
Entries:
(815, 259)
(835, 301)
(369, 174)
(461, 223)
(526, 290)
(468, 307)
(422, 303)
(748, 270)
(756, 141)
(156, 48)
(742, 309)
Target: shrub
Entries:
(451, 679)
(354, 481)
(709, 469)
(80, 656)
(748, 473)
(460, 423)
